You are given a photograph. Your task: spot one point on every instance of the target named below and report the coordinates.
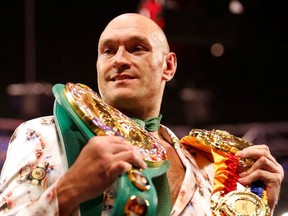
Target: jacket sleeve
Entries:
(34, 162)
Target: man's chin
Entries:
(120, 98)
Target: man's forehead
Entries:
(124, 29)
(131, 22)
(129, 26)
(132, 26)
(125, 33)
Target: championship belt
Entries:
(229, 197)
(77, 103)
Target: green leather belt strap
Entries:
(73, 141)
(164, 202)
(74, 134)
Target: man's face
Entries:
(130, 65)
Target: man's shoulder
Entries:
(43, 120)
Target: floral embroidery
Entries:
(8, 204)
(35, 148)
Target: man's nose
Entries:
(121, 59)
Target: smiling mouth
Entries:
(120, 78)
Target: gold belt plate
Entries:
(104, 119)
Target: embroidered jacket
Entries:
(35, 161)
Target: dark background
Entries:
(246, 86)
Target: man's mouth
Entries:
(122, 77)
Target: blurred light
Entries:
(217, 50)
(236, 7)
(153, 10)
(190, 94)
(29, 89)
(172, 4)
(285, 214)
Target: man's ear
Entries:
(171, 66)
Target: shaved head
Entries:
(138, 21)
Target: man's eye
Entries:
(138, 49)
(107, 51)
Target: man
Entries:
(134, 63)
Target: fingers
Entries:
(265, 175)
(265, 164)
(255, 152)
(263, 161)
(265, 168)
(132, 156)
(117, 149)
(117, 169)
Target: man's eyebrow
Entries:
(139, 39)
(133, 38)
(106, 42)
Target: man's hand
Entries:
(98, 165)
(265, 168)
